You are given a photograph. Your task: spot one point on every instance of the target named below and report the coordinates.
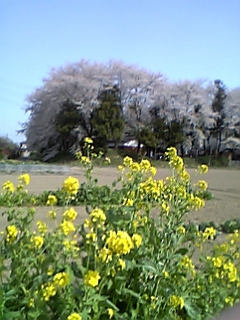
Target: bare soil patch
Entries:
(224, 184)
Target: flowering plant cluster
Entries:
(121, 263)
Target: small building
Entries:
(23, 150)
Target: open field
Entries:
(224, 184)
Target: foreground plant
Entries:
(121, 263)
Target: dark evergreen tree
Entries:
(160, 134)
(67, 119)
(107, 120)
(218, 106)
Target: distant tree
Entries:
(162, 133)
(218, 106)
(107, 120)
(8, 147)
(82, 83)
(66, 120)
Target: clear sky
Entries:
(183, 39)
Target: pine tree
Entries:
(107, 120)
(67, 119)
(218, 106)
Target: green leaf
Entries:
(34, 314)
(12, 315)
(182, 251)
(192, 311)
(132, 293)
(112, 305)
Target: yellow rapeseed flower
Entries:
(120, 242)
(137, 239)
(202, 185)
(127, 161)
(24, 179)
(67, 227)
(209, 232)
(42, 227)
(50, 271)
(71, 185)
(52, 200)
(74, 316)
(165, 207)
(229, 300)
(88, 140)
(105, 255)
(107, 160)
(91, 237)
(92, 278)
(48, 290)
(202, 169)
(176, 163)
(70, 214)
(52, 214)
(121, 168)
(230, 271)
(61, 279)
(128, 202)
(176, 301)
(97, 215)
(12, 232)
(145, 165)
(135, 167)
(85, 160)
(110, 312)
(37, 241)
(8, 186)
(87, 223)
(218, 261)
(121, 264)
(181, 230)
(153, 171)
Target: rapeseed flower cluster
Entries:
(12, 233)
(98, 216)
(88, 140)
(151, 188)
(8, 186)
(176, 301)
(67, 227)
(42, 227)
(24, 179)
(202, 169)
(85, 160)
(37, 241)
(187, 264)
(49, 289)
(61, 279)
(71, 246)
(223, 269)
(92, 278)
(52, 200)
(70, 214)
(209, 233)
(71, 186)
(121, 243)
(202, 185)
(74, 316)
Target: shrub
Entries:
(121, 263)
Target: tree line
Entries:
(110, 101)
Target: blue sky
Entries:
(183, 39)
